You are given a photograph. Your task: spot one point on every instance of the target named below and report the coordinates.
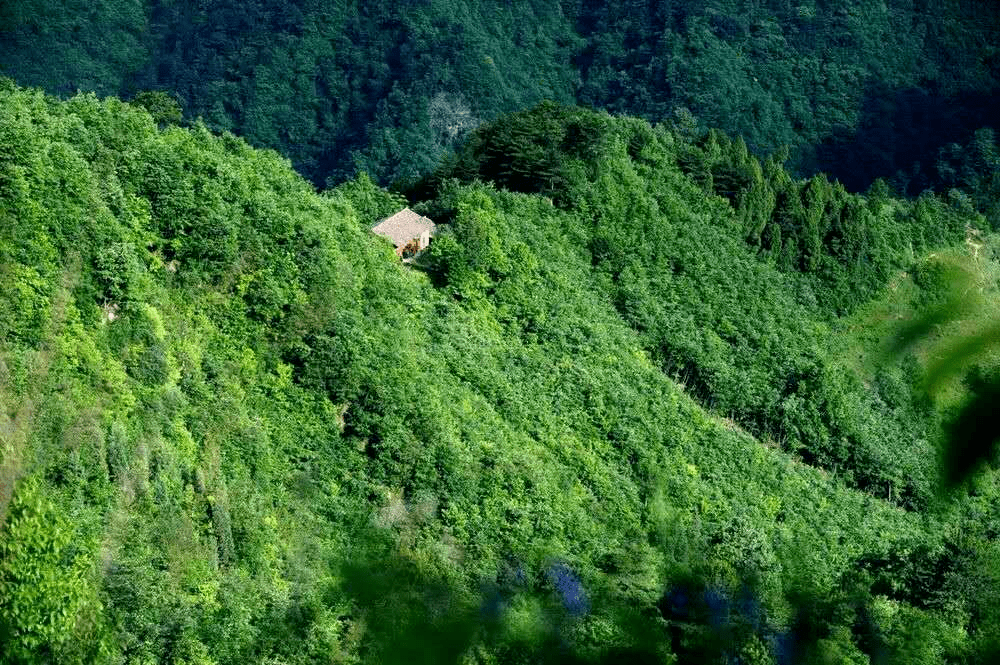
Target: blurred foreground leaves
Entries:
(965, 300)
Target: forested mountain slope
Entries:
(596, 424)
(859, 89)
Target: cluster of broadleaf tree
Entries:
(859, 89)
(601, 420)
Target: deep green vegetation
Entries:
(603, 420)
(745, 335)
(860, 89)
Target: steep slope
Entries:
(733, 296)
(237, 429)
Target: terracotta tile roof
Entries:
(403, 227)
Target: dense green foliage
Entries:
(381, 86)
(975, 169)
(746, 333)
(860, 89)
(237, 429)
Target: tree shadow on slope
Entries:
(410, 613)
(899, 136)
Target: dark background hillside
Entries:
(860, 89)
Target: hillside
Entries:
(601, 420)
(859, 89)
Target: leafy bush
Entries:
(49, 611)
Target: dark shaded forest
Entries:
(859, 89)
